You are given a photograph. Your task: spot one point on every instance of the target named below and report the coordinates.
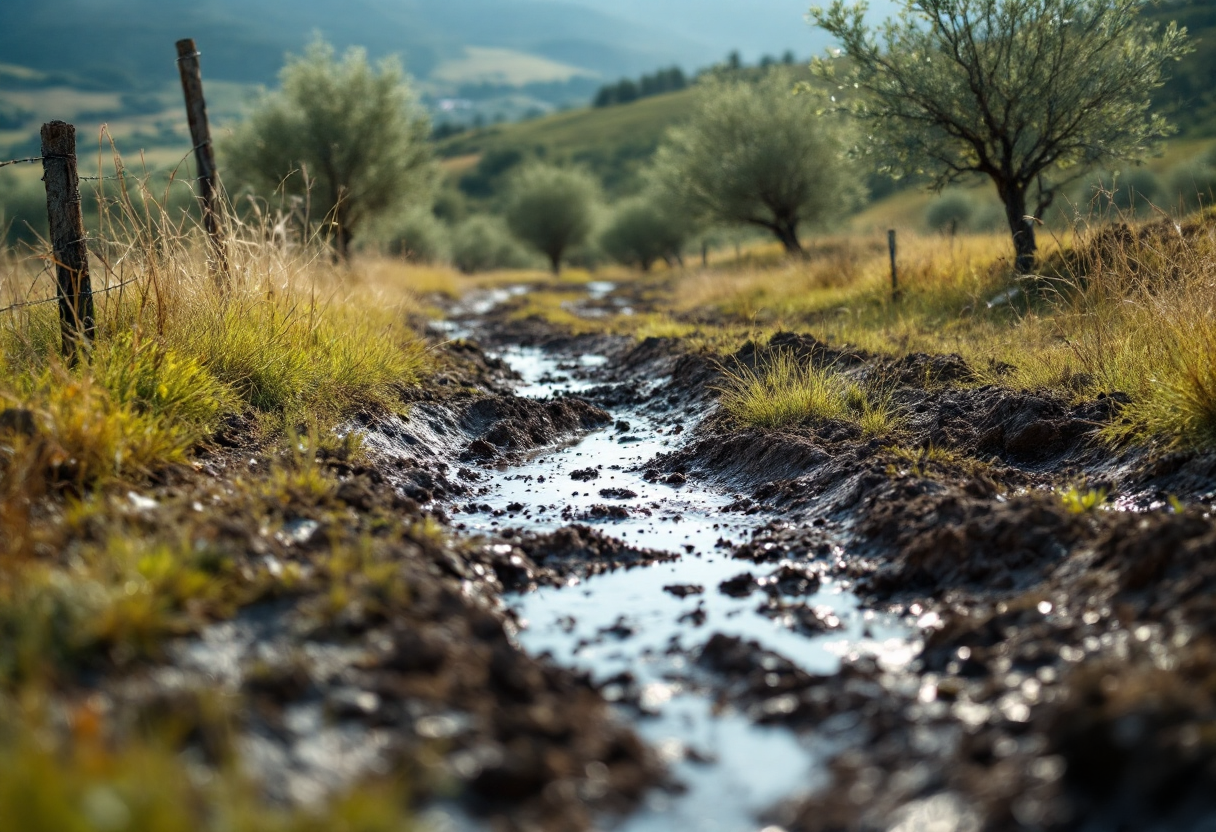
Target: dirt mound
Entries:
(924, 370)
(1020, 427)
(803, 347)
(930, 537)
(581, 550)
(1159, 250)
(510, 423)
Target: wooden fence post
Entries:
(204, 154)
(76, 321)
(894, 275)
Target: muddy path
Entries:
(837, 631)
(564, 592)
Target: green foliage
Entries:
(756, 154)
(783, 392)
(485, 178)
(645, 229)
(1082, 500)
(417, 236)
(1192, 185)
(959, 87)
(483, 243)
(79, 782)
(954, 210)
(552, 209)
(341, 133)
(626, 90)
(176, 391)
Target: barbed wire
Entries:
(55, 299)
(20, 161)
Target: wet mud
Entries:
(1063, 665)
(641, 616)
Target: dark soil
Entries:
(1068, 672)
(1068, 676)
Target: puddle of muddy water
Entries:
(626, 621)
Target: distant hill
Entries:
(613, 142)
(128, 44)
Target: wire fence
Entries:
(104, 291)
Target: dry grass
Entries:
(89, 574)
(1130, 309)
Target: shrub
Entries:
(643, 230)
(953, 210)
(483, 243)
(347, 135)
(755, 154)
(417, 236)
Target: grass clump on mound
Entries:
(782, 392)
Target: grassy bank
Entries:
(138, 487)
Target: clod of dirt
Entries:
(603, 512)
(584, 474)
(792, 580)
(582, 551)
(618, 494)
(510, 423)
(920, 369)
(684, 590)
(740, 586)
(946, 539)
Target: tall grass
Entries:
(292, 338)
(1121, 306)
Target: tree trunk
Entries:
(787, 233)
(555, 263)
(1022, 229)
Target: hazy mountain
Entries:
(124, 42)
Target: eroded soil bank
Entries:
(911, 631)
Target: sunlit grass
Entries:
(784, 392)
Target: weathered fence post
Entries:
(894, 275)
(204, 154)
(76, 321)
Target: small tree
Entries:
(343, 134)
(482, 243)
(1029, 93)
(645, 229)
(551, 209)
(756, 154)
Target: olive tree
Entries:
(1028, 93)
(551, 209)
(343, 134)
(754, 153)
(647, 228)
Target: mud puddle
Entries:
(638, 631)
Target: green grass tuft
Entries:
(783, 392)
